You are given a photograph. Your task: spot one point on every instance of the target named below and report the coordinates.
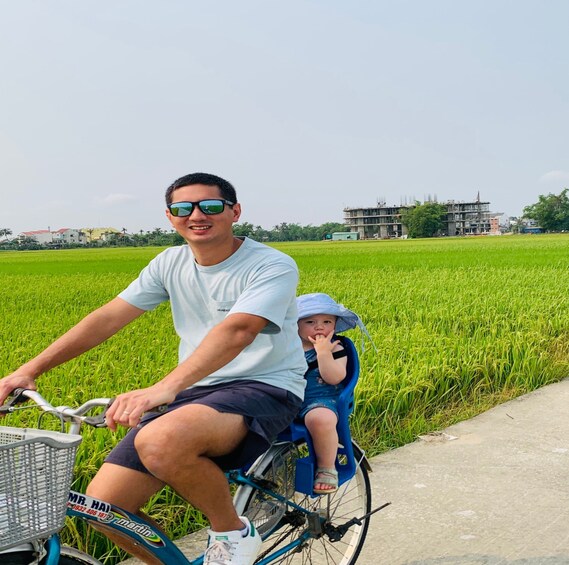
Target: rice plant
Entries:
(459, 325)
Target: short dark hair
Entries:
(225, 187)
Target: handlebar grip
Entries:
(18, 397)
(99, 421)
(96, 421)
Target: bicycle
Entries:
(296, 525)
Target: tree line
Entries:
(164, 238)
(550, 212)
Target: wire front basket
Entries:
(36, 470)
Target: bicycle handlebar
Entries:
(66, 413)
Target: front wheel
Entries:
(72, 556)
(68, 556)
(17, 558)
(280, 524)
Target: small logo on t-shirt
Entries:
(223, 309)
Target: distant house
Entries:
(99, 234)
(529, 225)
(68, 236)
(43, 237)
(63, 236)
(497, 224)
(505, 222)
(345, 235)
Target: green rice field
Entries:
(459, 326)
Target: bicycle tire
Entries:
(72, 556)
(67, 560)
(69, 556)
(17, 558)
(351, 500)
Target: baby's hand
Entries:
(324, 343)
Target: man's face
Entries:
(199, 227)
(319, 324)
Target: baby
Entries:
(319, 319)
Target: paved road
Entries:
(491, 490)
(497, 494)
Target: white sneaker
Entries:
(231, 548)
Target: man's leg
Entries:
(130, 490)
(114, 484)
(176, 448)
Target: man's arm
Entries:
(220, 346)
(88, 333)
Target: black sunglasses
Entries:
(208, 207)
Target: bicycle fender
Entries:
(139, 530)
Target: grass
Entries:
(460, 325)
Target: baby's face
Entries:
(319, 324)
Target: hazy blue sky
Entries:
(306, 106)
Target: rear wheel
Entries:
(279, 524)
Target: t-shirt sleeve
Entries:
(148, 290)
(269, 294)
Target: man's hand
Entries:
(12, 382)
(127, 409)
(220, 346)
(92, 330)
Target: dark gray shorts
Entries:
(267, 410)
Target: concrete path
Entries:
(490, 490)
(497, 494)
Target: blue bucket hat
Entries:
(320, 303)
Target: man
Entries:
(239, 380)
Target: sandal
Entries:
(325, 476)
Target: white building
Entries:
(68, 235)
(63, 236)
(41, 236)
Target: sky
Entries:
(305, 106)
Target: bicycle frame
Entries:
(97, 511)
(157, 544)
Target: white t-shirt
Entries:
(256, 279)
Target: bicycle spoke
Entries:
(278, 528)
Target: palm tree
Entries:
(5, 232)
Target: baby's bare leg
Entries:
(321, 423)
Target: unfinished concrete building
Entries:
(383, 222)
